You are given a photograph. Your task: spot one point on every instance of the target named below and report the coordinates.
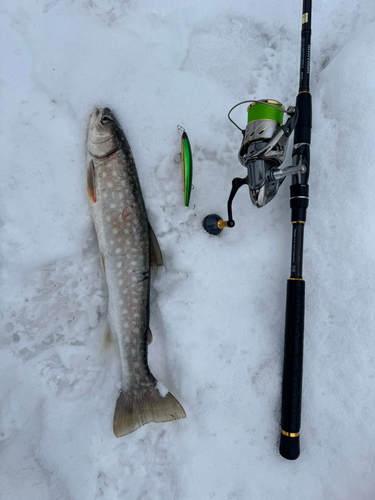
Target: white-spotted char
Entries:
(128, 247)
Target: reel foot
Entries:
(210, 224)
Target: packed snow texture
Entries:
(218, 304)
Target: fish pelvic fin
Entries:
(156, 257)
(133, 411)
(149, 336)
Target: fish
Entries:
(128, 250)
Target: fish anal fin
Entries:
(108, 340)
(132, 410)
(156, 258)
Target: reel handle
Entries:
(292, 371)
(213, 223)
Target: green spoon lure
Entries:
(186, 165)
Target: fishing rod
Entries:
(262, 153)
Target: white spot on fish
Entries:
(135, 301)
(104, 174)
(120, 302)
(130, 270)
(110, 184)
(105, 195)
(113, 205)
(120, 282)
(118, 250)
(126, 231)
(119, 264)
(134, 278)
(125, 311)
(115, 231)
(136, 364)
(133, 351)
(125, 291)
(133, 263)
(108, 217)
(111, 242)
(127, 340)
(136, 315)
(126, 325)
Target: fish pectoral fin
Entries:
(91, 188)
(108, 340)
(133, 411)
(156, 258)
(149, 336)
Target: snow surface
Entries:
(217, 309)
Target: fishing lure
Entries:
(186, 165)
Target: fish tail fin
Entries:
(134, 411)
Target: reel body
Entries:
(263, 124)
(262, 152)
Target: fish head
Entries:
(104, 137)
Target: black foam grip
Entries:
(302, 132)
(292, 371)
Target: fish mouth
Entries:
(95, 112)
(101, 131)
(94, 118)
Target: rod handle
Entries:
(292, 371)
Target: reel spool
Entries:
(262, 152)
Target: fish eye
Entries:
(105, 120)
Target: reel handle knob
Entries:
(212, 223)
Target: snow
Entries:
(217, 305)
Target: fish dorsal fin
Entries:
(156, 258)
(107, 340)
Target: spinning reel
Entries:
(262, 152)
